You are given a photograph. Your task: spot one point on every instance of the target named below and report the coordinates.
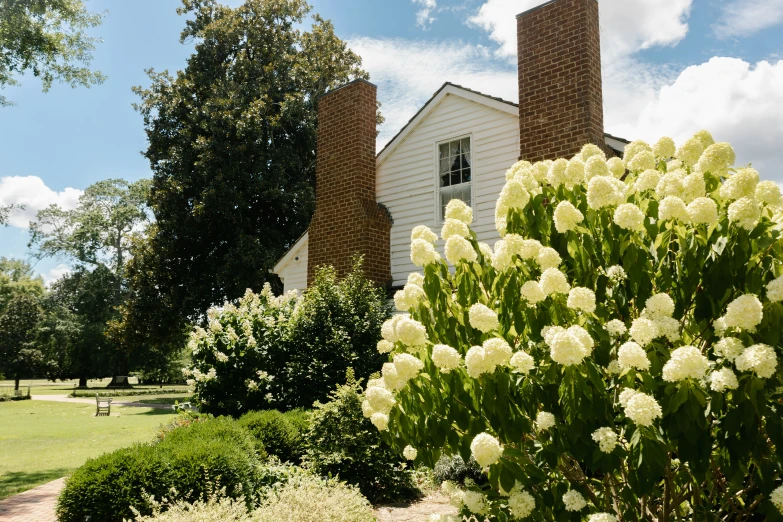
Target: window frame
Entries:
(436, 156)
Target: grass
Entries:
(41, 441)
(44, 387)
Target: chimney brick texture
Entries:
(347, 218)
(560, 98)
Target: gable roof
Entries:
(295, 248)
(445, 90)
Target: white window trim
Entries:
(436, 170)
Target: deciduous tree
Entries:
(232, 143)
(49, 39)
(20, 355)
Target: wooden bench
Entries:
(102, 406)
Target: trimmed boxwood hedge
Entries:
(186, 464)
(279, 434)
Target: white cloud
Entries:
(424, 15)
(32, 192)
(743, 17)
(408, 72)
(55, 273)
(627, 25)
(736, 101)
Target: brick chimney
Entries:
(560, 99)
(347, 218)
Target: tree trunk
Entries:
(83, 381)
(16, 384)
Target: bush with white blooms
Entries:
(615, 356)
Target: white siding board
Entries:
(294, 274)
(406, 178)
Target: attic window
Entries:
(454, 172)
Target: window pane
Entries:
(455, 178)
(455, 163)
(445, 179)
(443, 156)
(466, 175)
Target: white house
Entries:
(459, 145)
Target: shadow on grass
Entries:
(157, 411)
(163, 400)
(19, 481)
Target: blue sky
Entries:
(671, 66)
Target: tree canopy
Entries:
(99, 230)
(19, 353)
(78, 308)
(232, 142)
(17, 278)
(48, 38)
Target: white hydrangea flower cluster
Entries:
(445, 357)
(745, 313)
(522, 362)
(729, 348)
(722, 380)
(459, 210)
(487, 357)
(521, 503)
(486, 449)
(401, 328)
(616, 274)
(602, 517)
(606, 438)
(410, 296)
(631, 355)
(581, 299)
(475, 502)
(640, 407)
(569, 346)
(553, 281)
(532, 292)
(459, 249)
(567, 217)
(574, 501)
(759, 359)
(410, 452)
(629, 217)
(775, 289)
(616, 328)
(482, 318)
(545, 421)
(686, 362)
(776, 497)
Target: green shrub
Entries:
(454, 469)
(278, 434)
(286, 352)
(310, 499)
(342, 443)
(214, 509)
(303, 499)
(182, 466)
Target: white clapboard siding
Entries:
(293, 270)
(407, 177)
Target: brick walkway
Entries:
(34, 505)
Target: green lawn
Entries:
(44, 387)
(41, 441)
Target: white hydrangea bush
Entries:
(614, 356)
